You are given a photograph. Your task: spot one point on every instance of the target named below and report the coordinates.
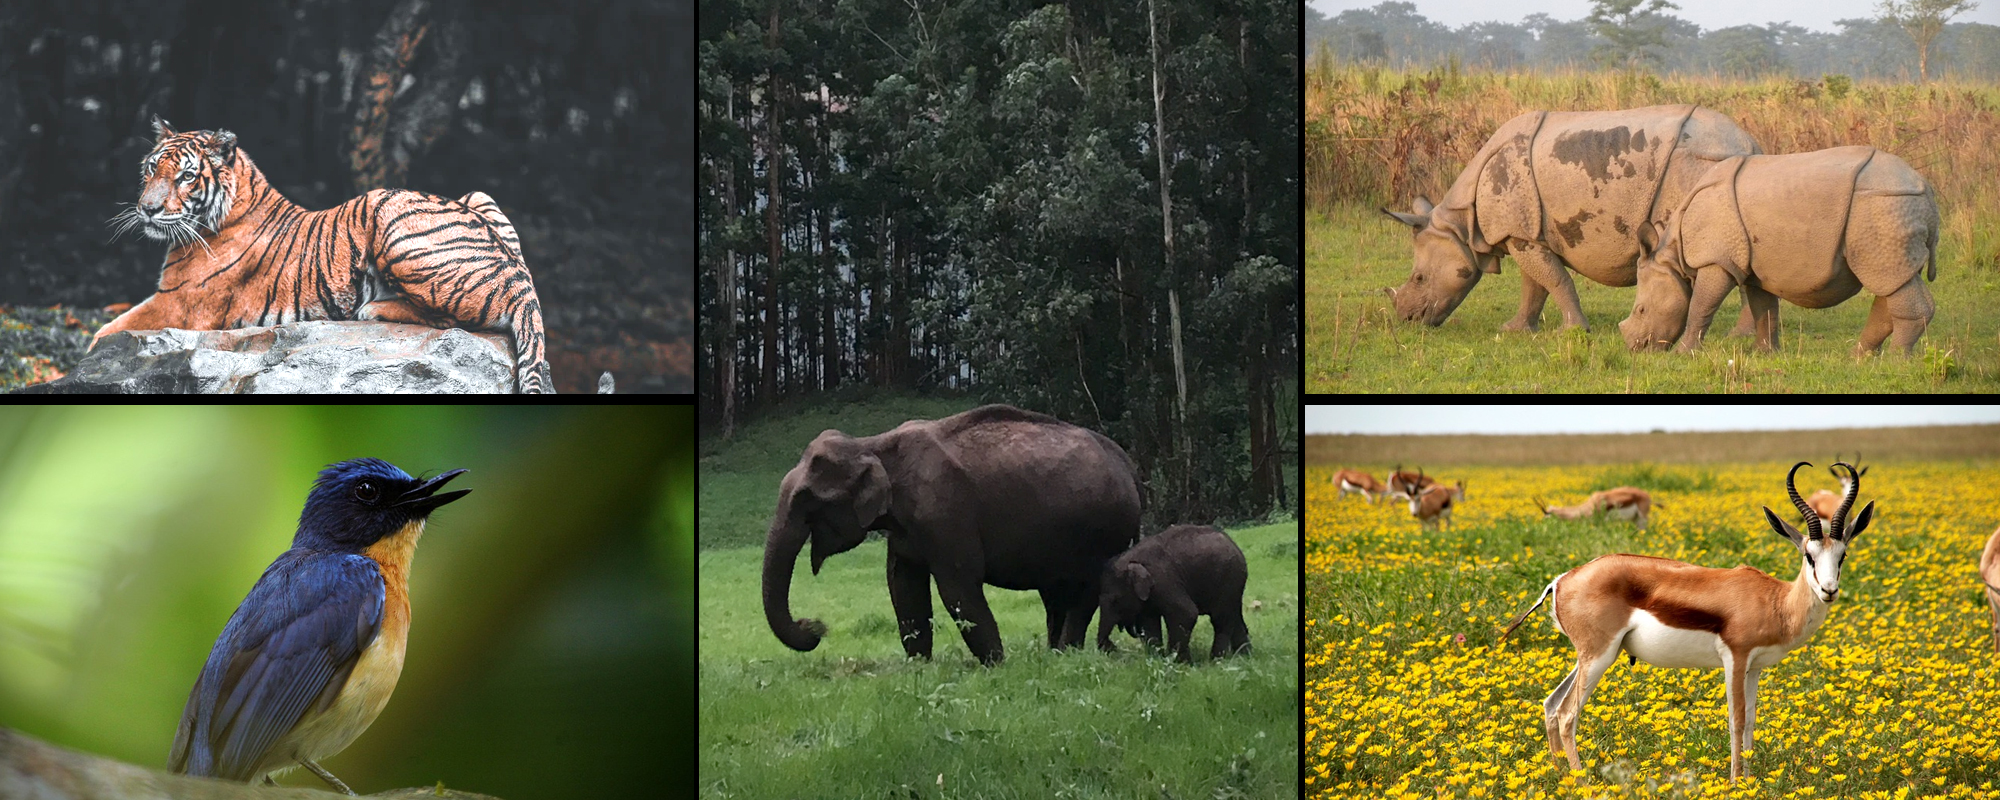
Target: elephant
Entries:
(1812, 228)
(995, 495)
(1560, 191)
(1180, 573)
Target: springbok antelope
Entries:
(1824, 502)
(1623, 502)
(1356, 481)
(1434, 503)
(1406, 485)
(1989, 573)
(1670, 614)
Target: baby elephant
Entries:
(1812, 228)
(1180, 573)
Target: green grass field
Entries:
(855, 718)
(1354, 251)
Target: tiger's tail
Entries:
(531, 364)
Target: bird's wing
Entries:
(290, 645)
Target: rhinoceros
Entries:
(1560, 189)
(1812, 228)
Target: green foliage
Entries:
(1655, 479)
(854, 718)
(1631, 29)
(1837, 86)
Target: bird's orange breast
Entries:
(373, 679)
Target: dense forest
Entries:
(573, 119)
(1393, 34)
(1089, 209)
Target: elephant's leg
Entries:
(1052, 608)
(1068, 612)
(966, 600)
(1149, 628)
(1711, 285)
(910, 595)
(1529, 318)
(1231, 634)
(1904, 314)
(1540, 266)
(1076, 620)
(1180, 630)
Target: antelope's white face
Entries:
(1824, 557)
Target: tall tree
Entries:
(1631, 29)
(1923, 20)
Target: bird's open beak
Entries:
(422, 499)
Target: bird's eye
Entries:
(366, 492)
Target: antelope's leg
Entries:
(1589, 668)
(1733, 695)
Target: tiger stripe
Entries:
(242, 255)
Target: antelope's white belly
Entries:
(1661, 645)
(1625, 513)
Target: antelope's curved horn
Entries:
(1853, 491)
(1812, 519)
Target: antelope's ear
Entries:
(1861, 521)
(1782, 527)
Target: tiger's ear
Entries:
(222, 148)
(161, 129)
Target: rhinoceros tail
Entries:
(1931, 195)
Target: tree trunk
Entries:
(726, 386)
(774, 91)
(1184, 450)
(389, 58)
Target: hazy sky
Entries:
(1709, 14)
(1466, 418)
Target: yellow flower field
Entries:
(1407, 695)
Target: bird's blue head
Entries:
(356, 503)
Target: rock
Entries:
(299, 358)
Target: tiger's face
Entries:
(186, 185)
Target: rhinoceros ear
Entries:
(1419, 220)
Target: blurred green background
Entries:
(551, 649)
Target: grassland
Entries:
(1407, 694)
(1377, 137)
(854, 718)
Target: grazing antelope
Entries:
(1406, 485)
(1989, 573)
(1356, 481)
(1824, 502)
(1670, 614)
(1623, 502)
(1434, 503)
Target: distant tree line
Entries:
(1393, 34)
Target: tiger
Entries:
(240, 254)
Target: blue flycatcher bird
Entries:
(310, 657)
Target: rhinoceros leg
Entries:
(1711, 285)
(1547, 269)
(1900, 317)
(1762, 306)
(1746, 325)
(1529, 318)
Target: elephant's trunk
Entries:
(781, 553)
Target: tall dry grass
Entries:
(1385, 136)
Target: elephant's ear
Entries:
(871, 493)
(1141, 580)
